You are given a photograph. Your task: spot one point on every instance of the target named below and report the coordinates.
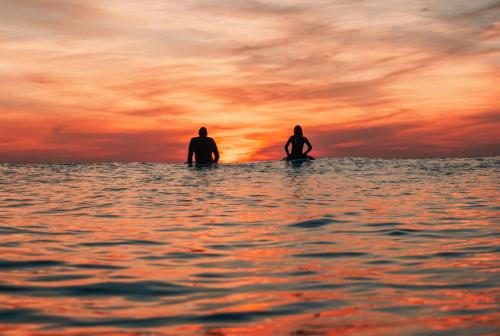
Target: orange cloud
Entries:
(79, 140)
(129, 81)
(463, 136)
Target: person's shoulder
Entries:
(194, 140)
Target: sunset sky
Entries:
(123, 80)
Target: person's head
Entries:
(203, 132)
(297, 131)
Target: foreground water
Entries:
(334, 246)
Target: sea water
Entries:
(333, 246)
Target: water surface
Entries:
(334, 246)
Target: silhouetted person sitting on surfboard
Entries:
(203, 147)
(298, 140)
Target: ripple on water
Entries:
(17, 315)
(397, 232)
(192, 255)
(384, 224)
(16, 231)
(329, 255)
(315, 223)
(60, 277)
(99, 266)
(259, 248)
(138, 290)
(14, 265)
(122, 242)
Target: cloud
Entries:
(79, 141)
(156, 111)
(464, 136)
(448, 137)
(135, 145)
(251, 7)
(476, 14)
(57, 18)
(365, 77)
(488, 118)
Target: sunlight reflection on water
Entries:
(351, 246)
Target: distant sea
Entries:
(339, 246)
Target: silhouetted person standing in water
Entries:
(203, 147)
(298, 140)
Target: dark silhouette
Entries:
(298, 140)
(203, 147)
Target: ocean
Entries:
(340, 246)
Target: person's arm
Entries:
(309, 147)
(286, 146)
(216, 151)
(190, 152)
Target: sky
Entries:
(123, 80)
